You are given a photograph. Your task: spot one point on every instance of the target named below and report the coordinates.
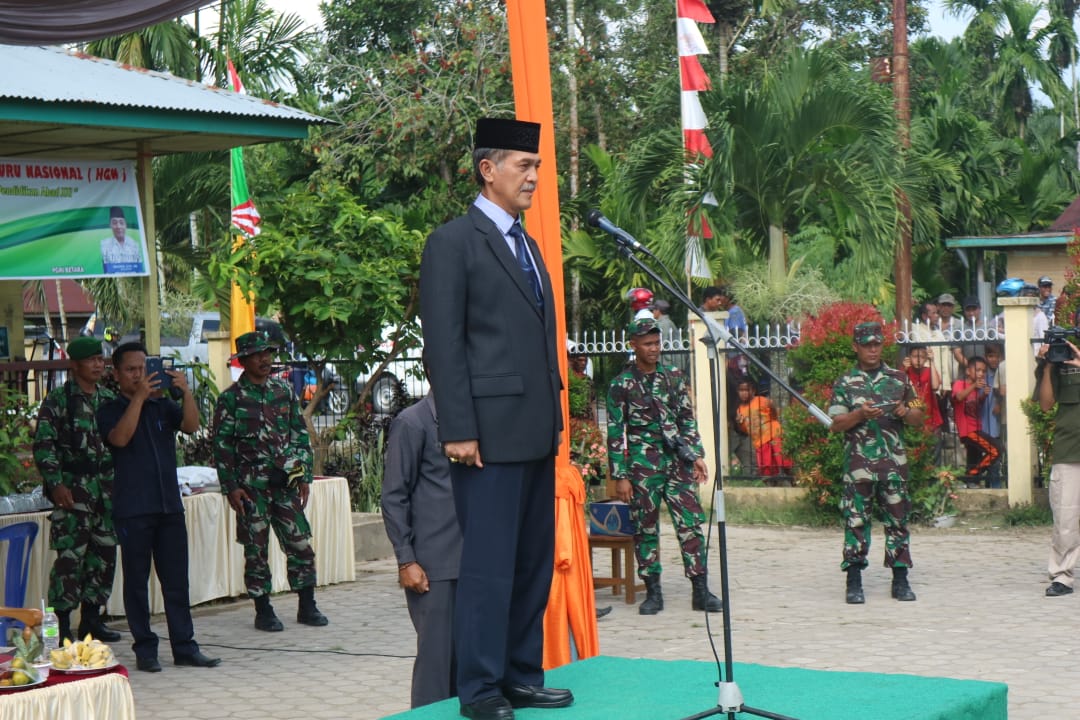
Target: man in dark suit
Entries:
(418, 510)
(489, 330)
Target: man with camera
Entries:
(655, 454)
(1058, 377)
(140, 427)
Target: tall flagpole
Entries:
(245, 218)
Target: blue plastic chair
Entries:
(20, 539)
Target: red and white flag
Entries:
(245, 217)
(695, 142)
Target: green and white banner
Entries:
(69, 219)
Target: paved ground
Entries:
(981, 614)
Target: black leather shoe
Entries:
(196, 660)
(489, 708)
(524, 696)
(601, 612)
(148, 664)
(1057, 589)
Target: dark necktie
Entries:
(525, 262)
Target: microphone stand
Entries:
(730, 700)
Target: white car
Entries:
(193, 345)
(400, 383)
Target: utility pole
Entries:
(902, 103)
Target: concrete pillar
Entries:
(703, 389)
(220, 348)
(151, 283)
(1019, 385)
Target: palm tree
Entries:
(269, 50)
(167, 47)
(812, 145)
(1021, 61)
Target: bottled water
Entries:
(50, 631)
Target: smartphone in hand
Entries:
(155, 364)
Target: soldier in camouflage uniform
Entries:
(263, 460)
(870, 405)
(77, 468)
(655, 453)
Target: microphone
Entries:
(597, 220)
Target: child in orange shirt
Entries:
(757, 418)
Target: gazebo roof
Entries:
(64, 104)
(1060, 232)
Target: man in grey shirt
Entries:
(418, 511)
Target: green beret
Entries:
(83, 347)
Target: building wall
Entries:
(1031, 264)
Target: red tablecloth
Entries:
(59, 678)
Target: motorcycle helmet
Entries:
(639, 298)
(1016, 287)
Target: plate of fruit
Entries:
(82, 657)
(17, 674)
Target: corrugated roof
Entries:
(54, 74)
(63, 103)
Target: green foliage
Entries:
(362, 466)
(17, 470)
(823, 354)
(788, 515)
(339, 273)
(1041, 429)
(803, 293)
(937, 497)
(812, 143)
(1027, 514)
(409, 101)
(580, 392)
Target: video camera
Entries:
(682, 450)
(1056, 338)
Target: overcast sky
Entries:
(940, 24)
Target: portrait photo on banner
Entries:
(70, 219)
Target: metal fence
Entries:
(609, 352)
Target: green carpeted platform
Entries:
(610, 688)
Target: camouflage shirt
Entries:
(874, 443)
(68, 449)
(646, 415)
(257, 430)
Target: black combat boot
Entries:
(265, 619)
(654, 598)
(702, 598)
(63, 620)
(90, 623)
(308, 614)
(900, 588)
(854, 586)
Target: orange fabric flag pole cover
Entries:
(571, 604)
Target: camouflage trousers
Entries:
(674, 486)
(890, 493)
(277, 508)
(85, 545)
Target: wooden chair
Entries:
(30, 618)
(623, 574)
